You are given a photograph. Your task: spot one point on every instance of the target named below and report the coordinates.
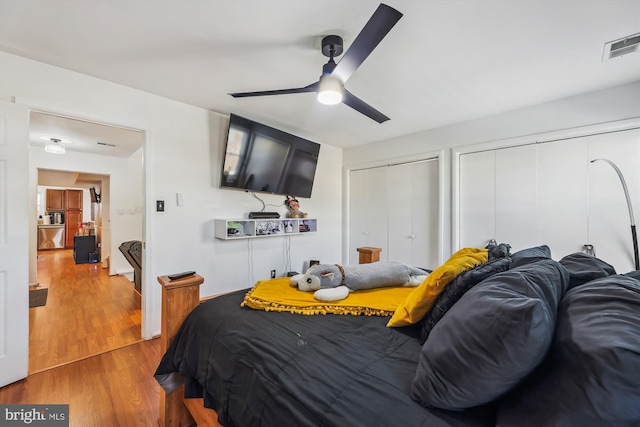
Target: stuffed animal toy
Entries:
(293, 205)
(334, 282)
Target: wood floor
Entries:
(112, 389)
(88, 312)
(95, 318)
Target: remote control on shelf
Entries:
(181, 275)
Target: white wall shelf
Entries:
(234, 229)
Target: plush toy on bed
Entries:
(334, 282)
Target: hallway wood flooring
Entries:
(87, 313)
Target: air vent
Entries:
(620, 47)
(106, 144)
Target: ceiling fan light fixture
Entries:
(330, 90)
(54, 146)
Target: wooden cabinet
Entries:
(71, 222)
(55, 200)
(73, 200)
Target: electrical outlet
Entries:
(273, 274)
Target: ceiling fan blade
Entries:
(362, 107)
(310, 88)
(382, 21)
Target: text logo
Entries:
(35, 415)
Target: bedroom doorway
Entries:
(92, 305)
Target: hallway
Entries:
(87, 312)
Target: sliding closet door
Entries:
(412, 200)
(562, 196)
(477, 199)
(368, 213)
(550, 193)
(515, 188)
(609, 221)
(396, 208)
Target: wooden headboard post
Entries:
(179, 298)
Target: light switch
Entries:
(159, 205)
(180, 199)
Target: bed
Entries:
(505, 342)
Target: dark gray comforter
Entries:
(546, 343)
(275, 369)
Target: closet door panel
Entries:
(515, 183)
(477, 199)
(368, 215)
(425, 214)
(400, 202)
(562, 196)
(358, 212)
(413, 213)
(609, 220)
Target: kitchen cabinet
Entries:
(73, 200)
(72, 221)
(55, 200)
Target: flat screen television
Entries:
(263, 159)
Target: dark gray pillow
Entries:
(493, 337)
(528, 255)
(498, 261)
(591, 376)
(584, 268)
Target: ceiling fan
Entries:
(330, 86)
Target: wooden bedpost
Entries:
(368, 254)
(179, 298)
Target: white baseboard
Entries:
(128, 273)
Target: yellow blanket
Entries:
(279, 295)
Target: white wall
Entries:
(183, 154)
(618, 103)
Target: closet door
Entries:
(396, 208)
(609, 220)
(477, 199)
(368, 214)
(413, 213)
(550, 193)
(562, 217)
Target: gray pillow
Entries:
(528, 255)
(584, 268)
(498, 261)
(591, 376)
(492, 338)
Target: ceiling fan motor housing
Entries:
(332, 43)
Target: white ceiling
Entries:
(83, 136)
(444, 62)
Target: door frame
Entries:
(14, 229)
(147, 294)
